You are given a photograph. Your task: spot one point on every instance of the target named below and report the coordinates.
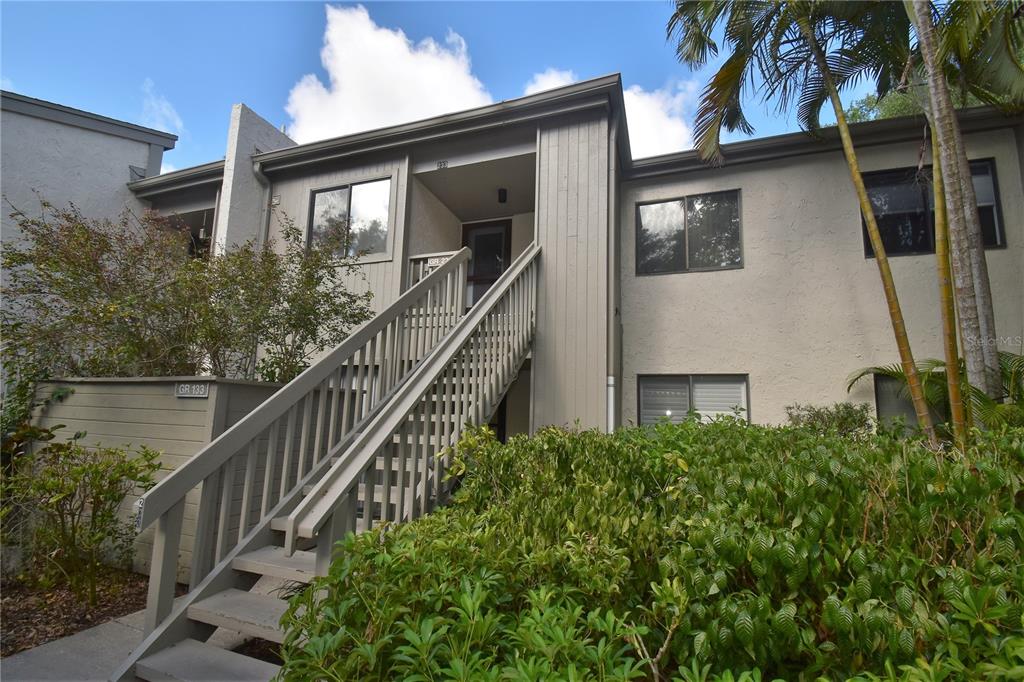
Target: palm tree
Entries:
(803, 52)
(977, 46)
(948, 309)
(1006, 409)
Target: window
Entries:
(672, 397)
(362, 210)
(699, 232)
(891, 401)
(904, 208)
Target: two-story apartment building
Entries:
(666, 284)
(526, 270)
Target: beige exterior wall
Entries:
(432, 226)
(131, 413)
(807, 307)
(381, 274)
(570, 349)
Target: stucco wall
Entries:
(807, 307)
(432, 226)
(65, 164)
(243, 199)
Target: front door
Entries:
(491, 244)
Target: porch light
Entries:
(668, 413)
(502, 195)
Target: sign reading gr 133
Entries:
(192, 389)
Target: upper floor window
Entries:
(360, 210)
(904, 208)
(698, 232)
(674, 396)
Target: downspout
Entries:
(264, 233)
(613, 272)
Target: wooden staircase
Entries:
(359, 439)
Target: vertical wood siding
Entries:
(570, 350)
(382, 276)
(132, 414)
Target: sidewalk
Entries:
(83, 657)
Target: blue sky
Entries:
(180, 66)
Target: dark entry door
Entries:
(491, 244)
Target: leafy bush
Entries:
(100, 298)
(686, 552)
(845, 419)
(71, 495)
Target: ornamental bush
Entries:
(690, 552)
(85, 297)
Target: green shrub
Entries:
(88, 297)
(687, 552)
(71, 495)
(845, 419)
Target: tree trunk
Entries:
(956, 404)
(899, 327)
(968, 261)
(979, 271)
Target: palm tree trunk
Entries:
(956, 404)
(899, 327)
(967, 251)
(979, 270)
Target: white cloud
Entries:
(6, 83)
(658, 118)
(548, 79)
(157, 110)
(378, 77)
(167, 167)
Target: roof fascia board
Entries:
(49, 111)
(867, 134)
(572, 99)
(206, 174)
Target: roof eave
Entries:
(866, 134)
(603, 91)
(186, 178)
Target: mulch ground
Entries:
(30, 616)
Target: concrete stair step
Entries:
(245, 612)
(192, 661)
(272, 560)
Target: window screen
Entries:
(670, 397)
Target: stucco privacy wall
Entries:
(432, 226)
(243, 198)
(807, 307)
(65, 164)
(381, 274)
(570, 348)
(132, 413)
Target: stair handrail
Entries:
(515, 292)
(164, 494)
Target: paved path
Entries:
(83, 657)
(93, 654)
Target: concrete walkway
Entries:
(85, 656)
(93, 654)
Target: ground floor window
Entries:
(673, 396)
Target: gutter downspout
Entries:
(264, 233)
(613, 274)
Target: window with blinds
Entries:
(671, 397)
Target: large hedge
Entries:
(721, 551)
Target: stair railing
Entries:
(461, 381)
(424, 263)
(289, 439)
